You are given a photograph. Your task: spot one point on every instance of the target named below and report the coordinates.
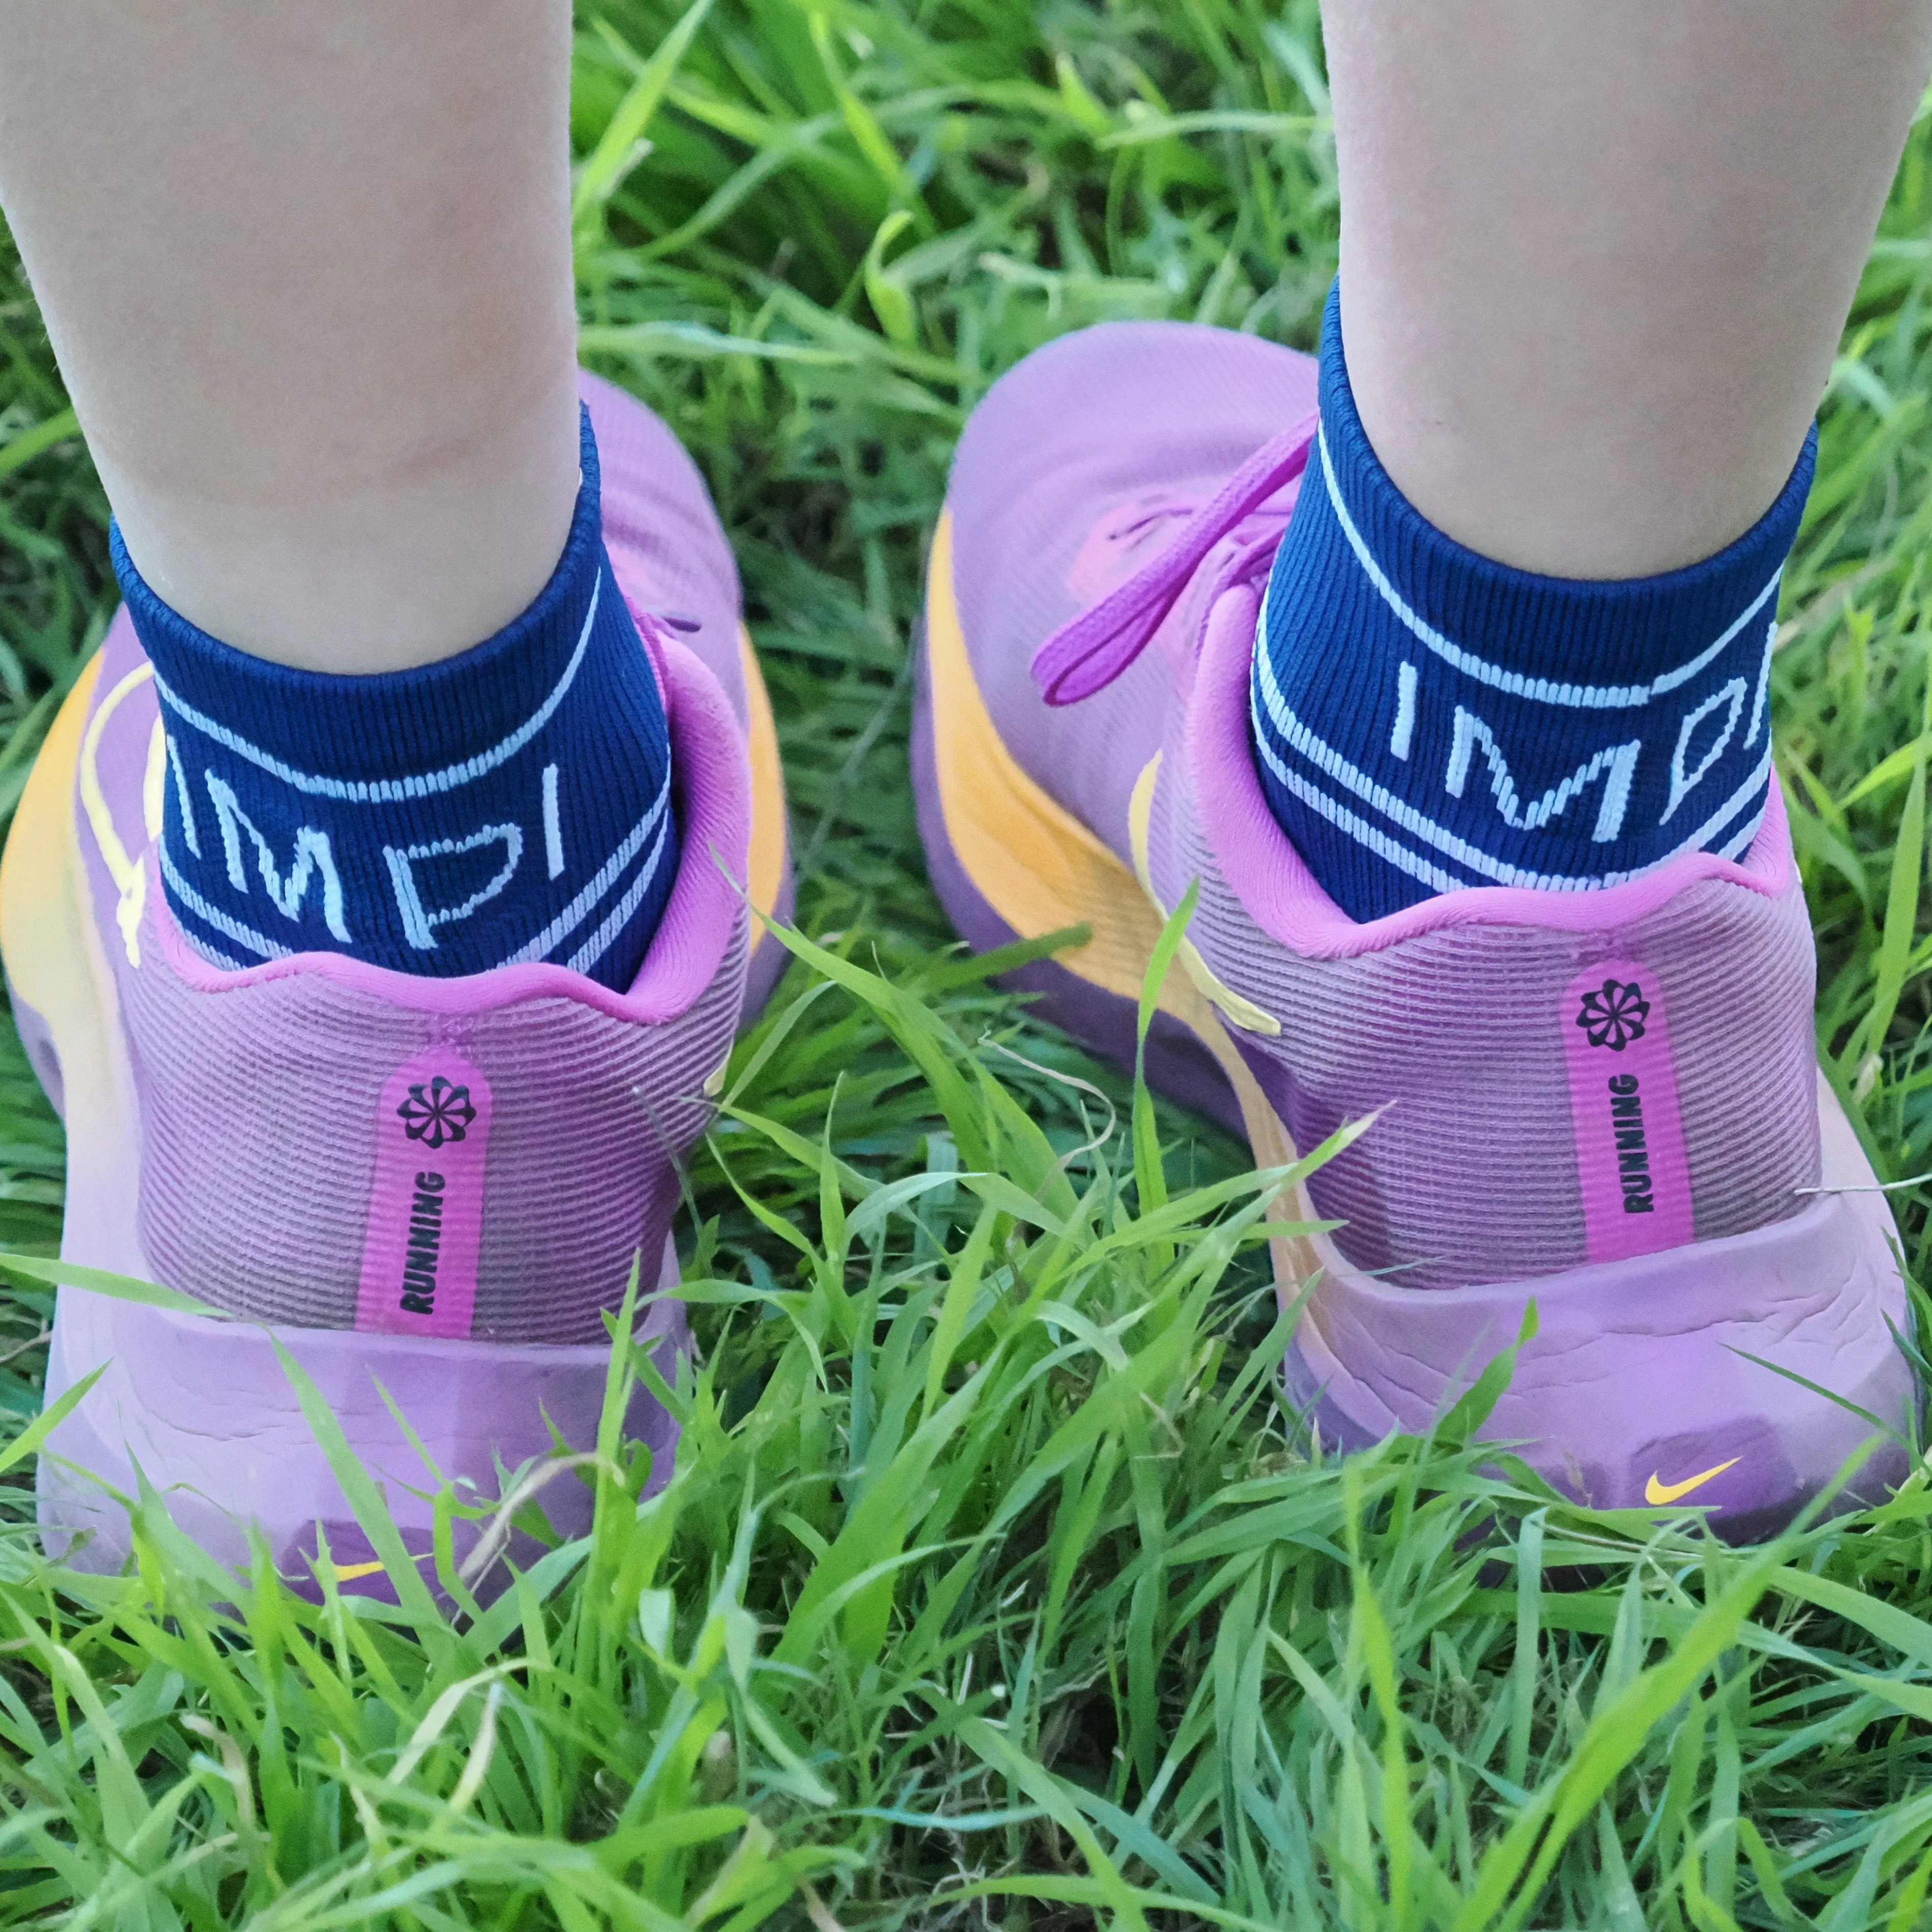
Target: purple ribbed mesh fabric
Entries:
(258, 1128)
(1471, 1174)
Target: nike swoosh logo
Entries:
(1654, 1492)
(348, 1573)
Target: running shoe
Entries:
(1603, 1105)
(430, 1192)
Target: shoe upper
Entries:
(669, 552)
(1557, 1079)
(1075, 470)
(332, 1144)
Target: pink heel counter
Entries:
(1498, 1157)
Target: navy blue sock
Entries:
(1425, 719)
(510, 804)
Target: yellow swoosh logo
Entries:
(347, 1573)
(1654, 1492)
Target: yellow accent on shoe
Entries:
(154, 782)
(1236, 1010)
(1654, 1492)
(129, 875)
(350, 1573)
(38, 876)
(56, 963)
(1032, 862)
(1040, 869)
(767, 863)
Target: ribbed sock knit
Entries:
(510, 804)
(1425, 719)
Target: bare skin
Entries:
(307, 273)
(1597, 254)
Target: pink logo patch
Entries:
(1623, 1101)
(426, 1208)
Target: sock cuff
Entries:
(396, 733)
(1426, 718)
(513, 802)
(1536, 628)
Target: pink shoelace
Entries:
(1087, 652)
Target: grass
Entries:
(995, 1586)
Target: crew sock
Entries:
(511, 804)
(1425, 719)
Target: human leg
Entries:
(439, 1179)
(1592, 1086)
(1520, 632)
(308, 275)
(1595, 259)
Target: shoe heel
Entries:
(206, 1412)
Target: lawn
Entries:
(995, 1584)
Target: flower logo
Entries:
(1614, 1014)
(437, 1111)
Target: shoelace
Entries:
(1087, 652)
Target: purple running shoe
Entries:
(1606, 1104)
(428, 1189)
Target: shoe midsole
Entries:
(208, 1411)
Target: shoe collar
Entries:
(1283, 898)
(700, 934)
(1087, 653)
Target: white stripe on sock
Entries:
(212, 954)
(1383, 847)
(1736, 848)
(594, 948)
(1575, 697)
(245, 936)
(387, 791)
(1324, 756)
(574, 914)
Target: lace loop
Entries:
(1087, 652)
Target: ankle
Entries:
(406, 557)
(1426, 719)
(511, 803)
